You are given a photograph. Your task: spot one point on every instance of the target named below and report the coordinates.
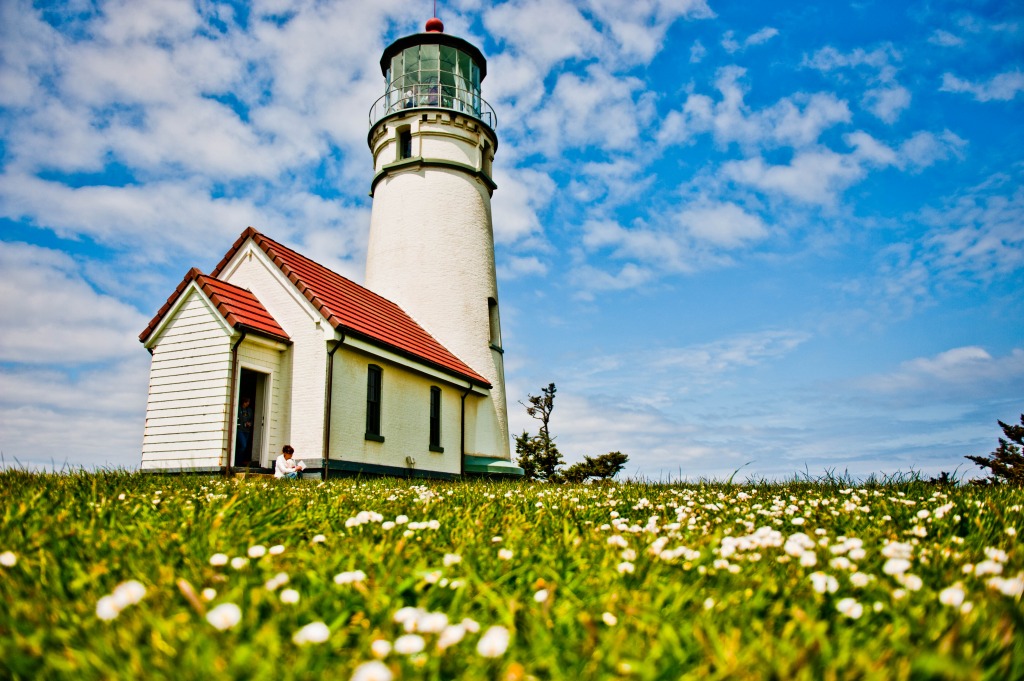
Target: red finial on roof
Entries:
(434, 25)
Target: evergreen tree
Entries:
(538, 455)
(527, 450)
(1006, 463)
(601, 467)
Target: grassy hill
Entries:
(116, 575)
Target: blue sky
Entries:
(772, 236)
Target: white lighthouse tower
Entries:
(431, 247)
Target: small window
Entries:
(495, 322)
(485, 161)
(373, 395)
(404, 143)
(435, 420)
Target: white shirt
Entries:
(284, 466)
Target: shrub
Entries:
(1006, 463)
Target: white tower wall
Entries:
(431, 247)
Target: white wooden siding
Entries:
(188, 390)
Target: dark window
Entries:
(485, 159)
(404, 144)
(373, 389)
(435, 419)
(495, 322)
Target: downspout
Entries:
(232, 416)
(329, 388)
(462, 434)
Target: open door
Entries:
(250, 438)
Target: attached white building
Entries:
(340, 373)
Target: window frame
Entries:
(403, 140)
(434, 421)
(374, 400)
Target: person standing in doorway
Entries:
(244, 430)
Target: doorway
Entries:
(250, 435)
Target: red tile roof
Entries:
(356, 310)
(239, 307)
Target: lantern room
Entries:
(433, 70)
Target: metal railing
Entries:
(432, 95)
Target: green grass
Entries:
(688, 612)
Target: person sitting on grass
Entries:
(285, 466)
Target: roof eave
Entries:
(475, 380)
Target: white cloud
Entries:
(729, 42)
(160, 221)
(128, 21)
(1002, 87)
(50, 315)
(978, 25)
(945, 39)
(521, 195)
(698, 236)
(549, 32)
(977, 236)
(795, 121)
(594, 109)
(563, 78)
(640, 243)
(546, 32)
(591, 279)
(964, 371)
(515, 267)
(656, 444)
(146, 218)
(814, 176)
(730, 354)
(969, 242)
(638, 28)
(829, 58)
(731, 45)
(697, 52)
(871, 150)
(514, 85)
(27, 50)
(721, 224)
(151, 90)
(600, 410)
(761, 37)
(887, 99)
(887, 103)
(616, 182)
(84, 418)
(923, 149)
(819, 175)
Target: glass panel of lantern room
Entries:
(429, 57)
(410, 67)
(396, 71)
(475, 86)
(462, 71)
(411, 64)
(448, 65)
(429, 66)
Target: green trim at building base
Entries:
(480, 465)
(350, 468)
(185, 470)
(475, 466)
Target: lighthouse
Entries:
(431, 244)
